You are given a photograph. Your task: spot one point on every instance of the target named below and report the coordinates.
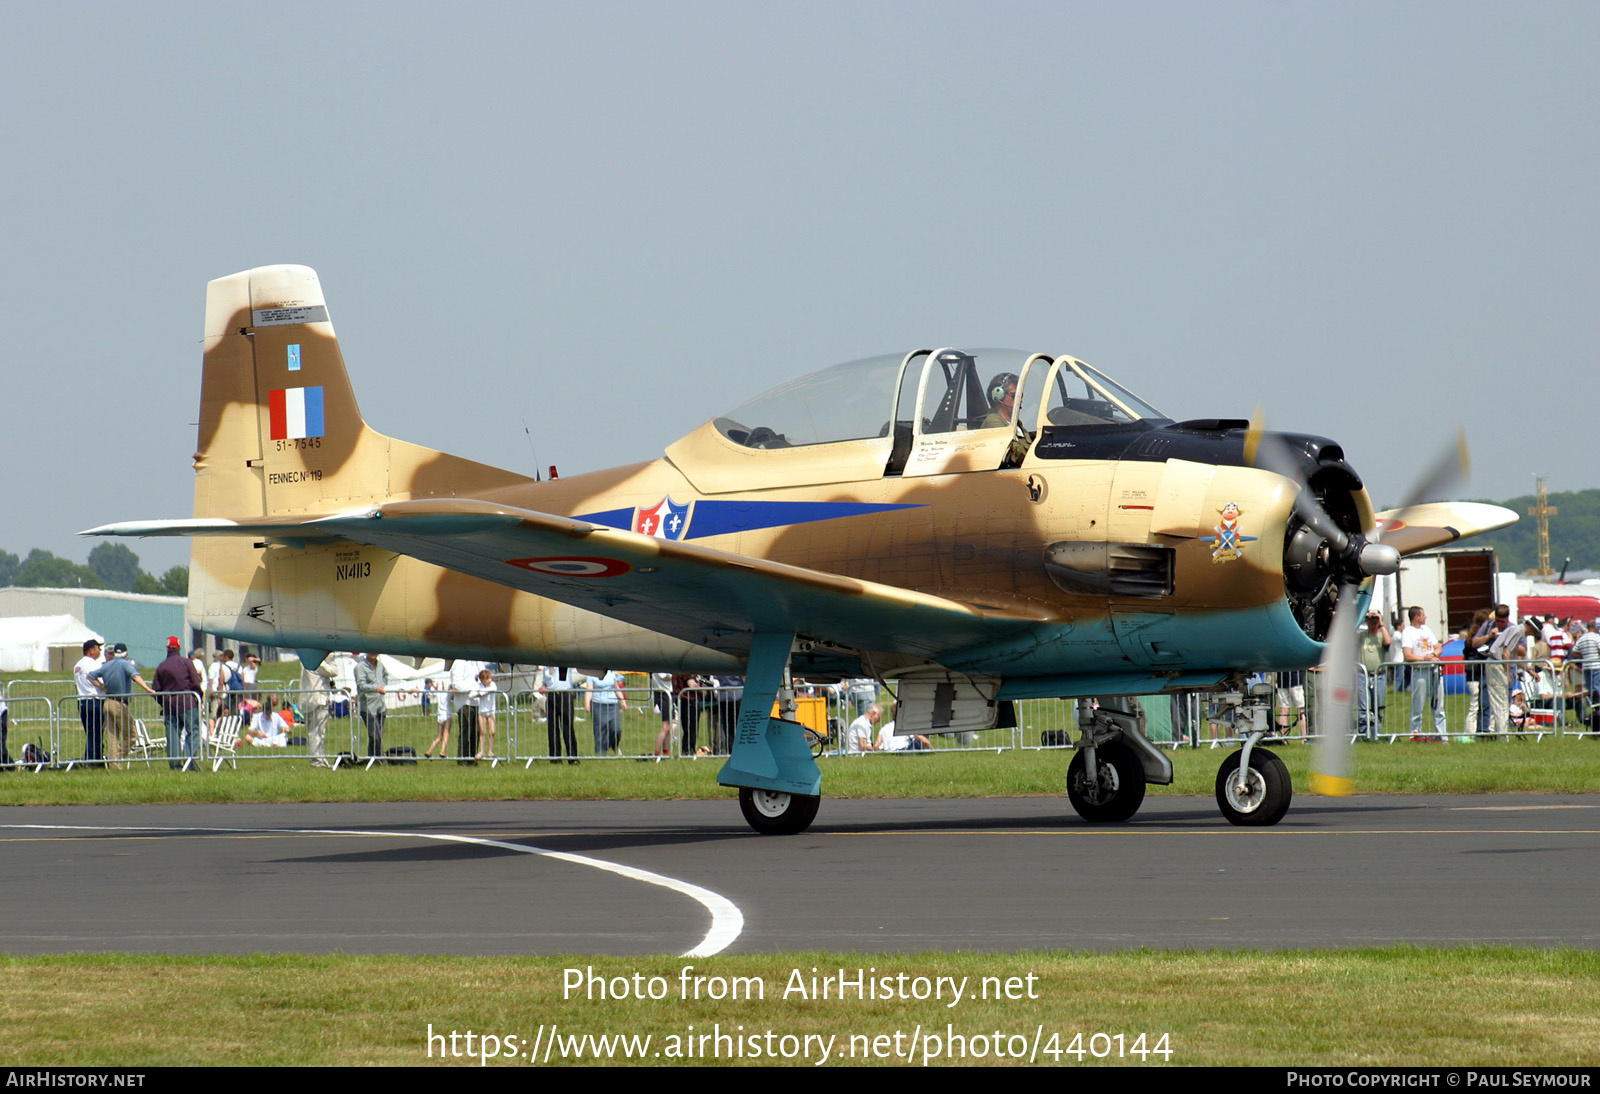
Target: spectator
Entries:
(488, 693)
(115, 676)
(178, 687)
(1421, 647)
(859, 737)
(372, 688)
(91, 694)
(605, 703)
(1372, 649)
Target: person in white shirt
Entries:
(557, 686)
(268, 729)
(197, 657)
(889, 741)
(464, 697)
(221, 683)
(1421, 648)
(858, 738)
(487, 693)
(91, 694)
(316, 689)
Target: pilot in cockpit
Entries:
(1002, 392)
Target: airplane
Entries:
(982, 526)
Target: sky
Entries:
(570, 233)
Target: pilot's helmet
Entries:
(998, 386)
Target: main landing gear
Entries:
(771, 761)
(1114, 761)
(1114, 792)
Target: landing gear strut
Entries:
(771, 762)
(1113, 762)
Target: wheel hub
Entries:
(1101, 789)
(1246, 790)
(770, 803)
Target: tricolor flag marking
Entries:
(296, 412)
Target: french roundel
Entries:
(573, 565)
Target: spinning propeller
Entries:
(1321, 554)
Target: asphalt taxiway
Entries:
(900, 875)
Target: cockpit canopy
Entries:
(932, 392)
(930, 412)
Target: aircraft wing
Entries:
(1421, 527)
(696, 593)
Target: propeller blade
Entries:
(1448, 469)
(1252, 436)
(1269, 452)
(1331, 767)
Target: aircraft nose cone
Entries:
(1379, 558)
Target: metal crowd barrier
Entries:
(1389, 696)
(30, 721)
(1580, 690)
(699, 722)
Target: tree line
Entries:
(110, 566)
(1574, 533)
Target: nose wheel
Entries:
(1257, 796)
(774, 813)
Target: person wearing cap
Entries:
(116, 675)
(91, 693)
(177, 689)
(1372, 651)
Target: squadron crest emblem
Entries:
(1229, 542)
(665, 520)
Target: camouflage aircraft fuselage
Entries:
(1101, 560)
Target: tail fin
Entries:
(280, 434)
(280, 431)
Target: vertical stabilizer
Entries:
(280, 434)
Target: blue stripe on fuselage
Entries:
(720, 518)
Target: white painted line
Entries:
(727, 921)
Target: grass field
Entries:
(1396, 1006)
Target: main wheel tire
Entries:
(1265, 796)
(774, 813)
(1119, 788)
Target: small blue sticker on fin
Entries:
(294, 357)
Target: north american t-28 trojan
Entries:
(982, 526)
